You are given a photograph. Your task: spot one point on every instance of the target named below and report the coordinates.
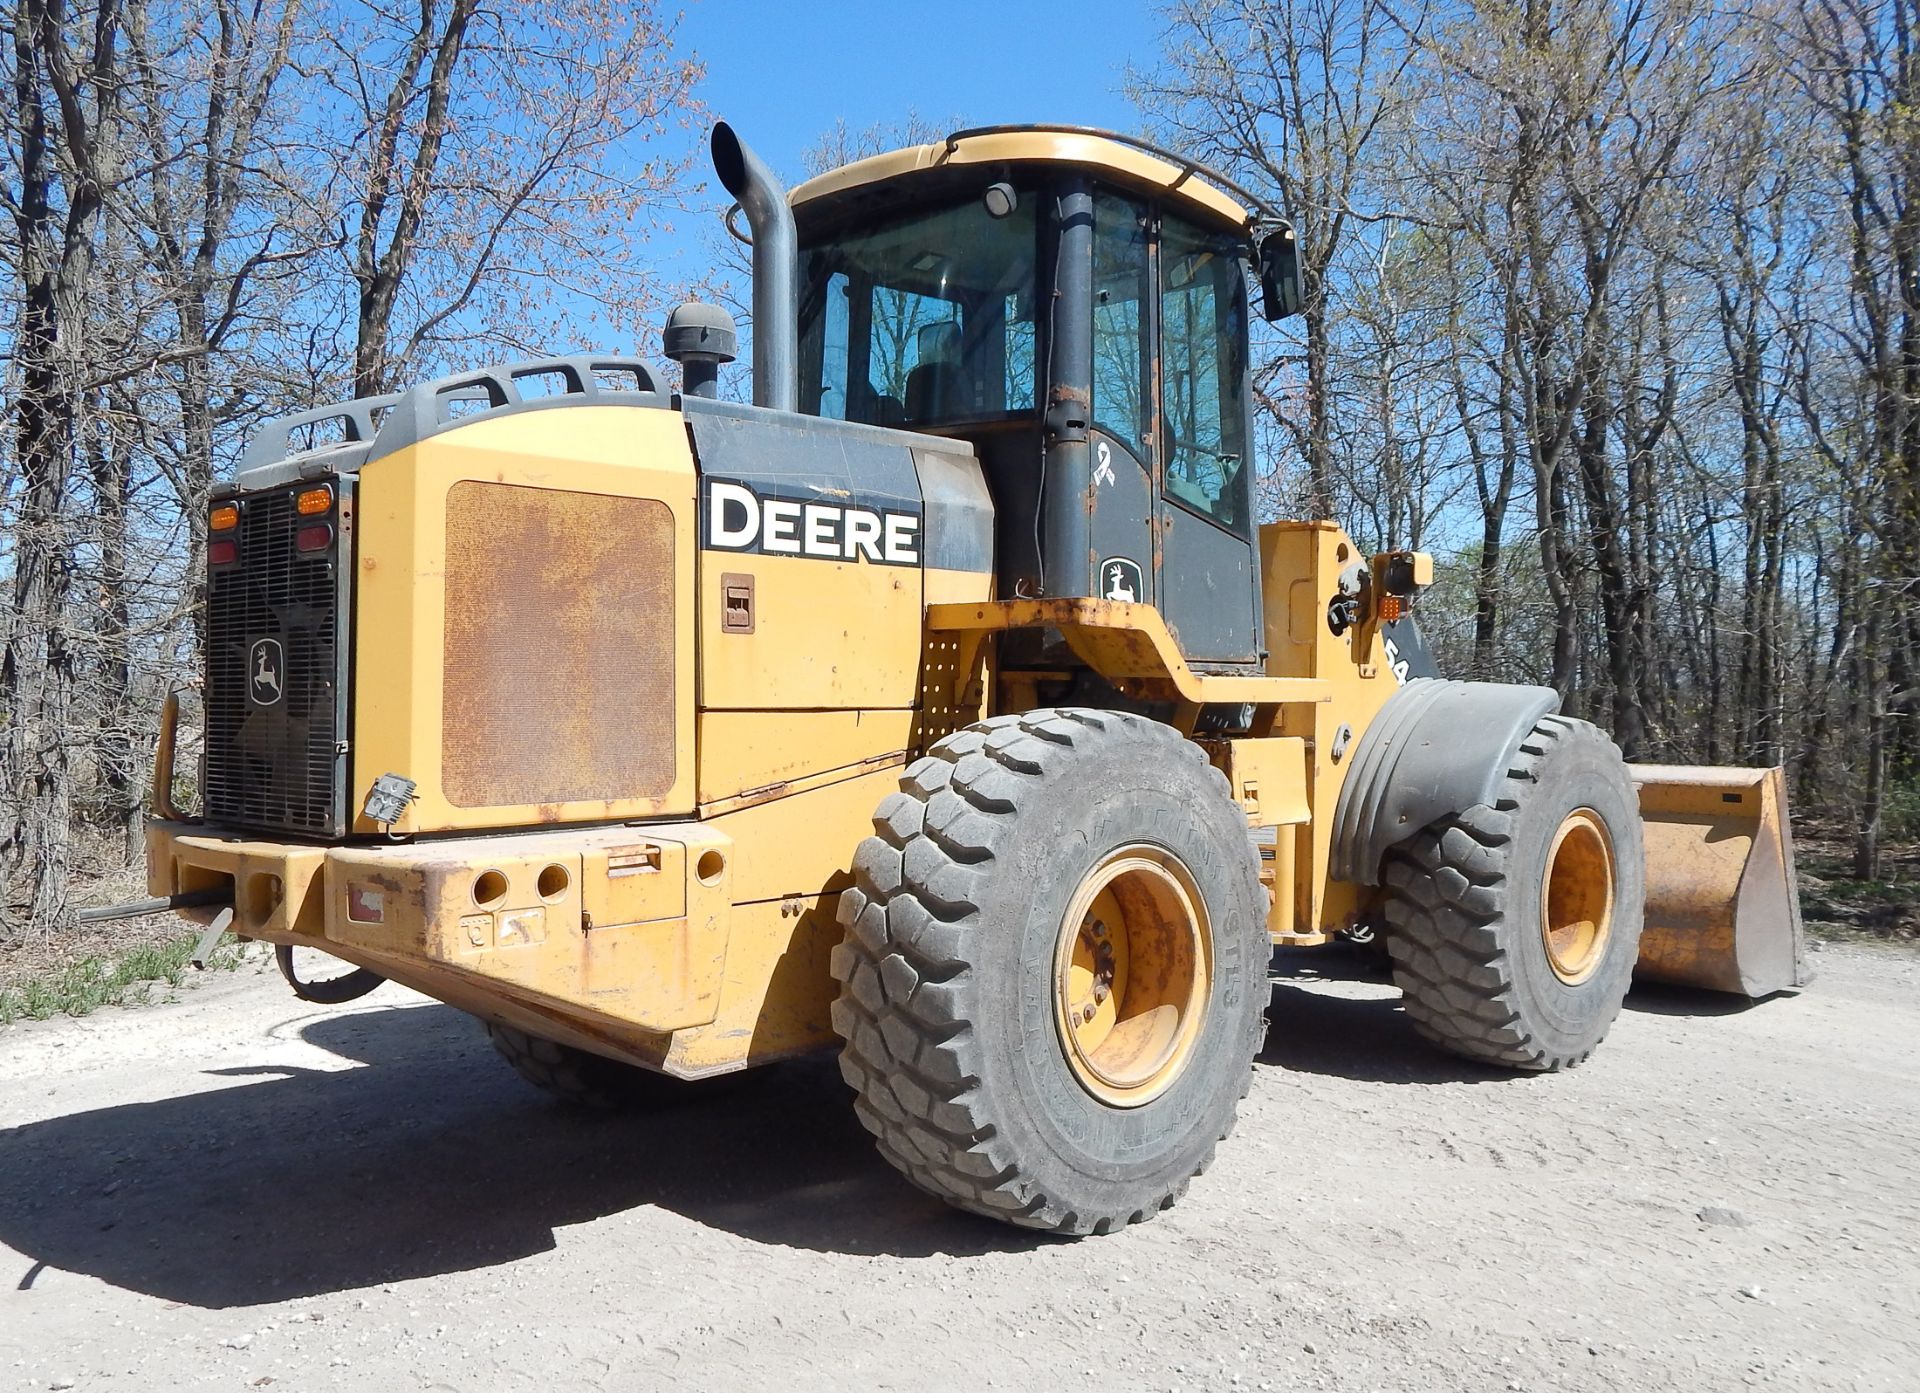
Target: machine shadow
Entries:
(1660, 999)
(1367, 1039)
(434, 1159)
(1370, 1039)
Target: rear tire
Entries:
(1054, 980)
(1514, 928)
(594, 1081)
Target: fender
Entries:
(1437, 748)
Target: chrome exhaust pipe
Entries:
(776, 269)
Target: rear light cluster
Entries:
(316, 503)
(223, 551)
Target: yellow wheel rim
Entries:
(1133, 970)
(1576, 900)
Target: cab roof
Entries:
(1200, 192)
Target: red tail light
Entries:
(223, 553)
(315, 538)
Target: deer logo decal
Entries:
(1120, 580)
(266, 671)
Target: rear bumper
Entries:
(612, 939)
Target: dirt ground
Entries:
(238, 1191)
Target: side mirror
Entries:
(1279, 275)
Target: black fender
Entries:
(1437, 748)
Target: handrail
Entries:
(162, 798)
(407, 417)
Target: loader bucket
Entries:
(1723, 908)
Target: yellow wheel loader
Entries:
(948, 707)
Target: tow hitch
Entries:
(326, 991)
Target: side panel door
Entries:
(810, 562)
(1207, 589)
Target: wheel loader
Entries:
(949, 706)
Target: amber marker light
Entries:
(312, 501)
(1391, 608)
(224, 518)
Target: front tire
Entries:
(1514, 928)
(1053, 981)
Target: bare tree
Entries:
(62, 135)
(495, 168)
(1288, 97)
(1856, 63)
(172, 240)
(1668, 284)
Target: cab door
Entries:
(1207, 575)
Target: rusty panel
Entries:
(559, 676)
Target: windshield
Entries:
(927, 319)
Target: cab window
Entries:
(1203, 309)
(1120, 302)
(830, 372)
(924, 319)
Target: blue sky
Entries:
(784, 73)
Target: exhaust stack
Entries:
(776, 269)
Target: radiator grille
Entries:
(272, 764)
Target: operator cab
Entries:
(1075, 306)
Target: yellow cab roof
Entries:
(1172, 177)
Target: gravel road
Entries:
(238, 1191)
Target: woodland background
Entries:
(1614, 306)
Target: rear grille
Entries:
(275, 698)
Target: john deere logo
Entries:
(1120, 579)
(266, 670)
